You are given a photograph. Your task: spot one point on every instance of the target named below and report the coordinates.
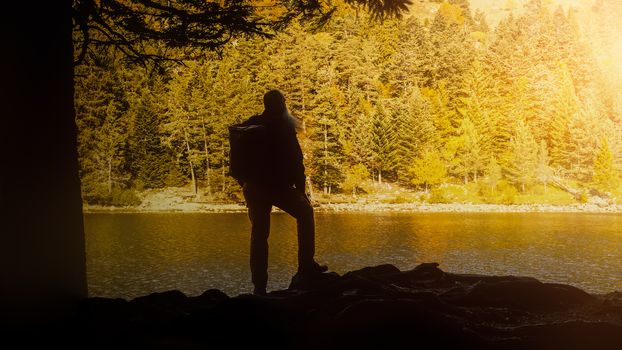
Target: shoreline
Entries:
(367, 208)
(374, 307)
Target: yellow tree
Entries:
(428, 170)
(606, 177)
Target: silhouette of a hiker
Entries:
(283, 186)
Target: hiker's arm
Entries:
(298, 168)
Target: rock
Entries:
(371, 308)
(374, 271)
(394, 323)
(569, 335)
(598, 201)
(525, 294)
(214, 294)
(313, 281)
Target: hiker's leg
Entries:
(296, 204)
(259, 209)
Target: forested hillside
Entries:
(530, 106)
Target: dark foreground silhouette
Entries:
(377, 307)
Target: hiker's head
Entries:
(276, 110)
(274, 103)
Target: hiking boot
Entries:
(314, 268)
(260, 291)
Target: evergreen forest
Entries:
(442, 105)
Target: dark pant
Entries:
(259, 200)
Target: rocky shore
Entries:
(377, 307)
(190, 207)
(180, 200)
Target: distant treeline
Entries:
(536, 100)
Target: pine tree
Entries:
(479, 102)
(444, 115)
(384, 143)
(606, 177)
(148, 156)
(521, 169)
(323, 130)
(413, 121)
(101, 116)
(543, 169)
(581, 145)
(492, 174)
(565, 107)
(179, 131)
(470, 158)
(111, 141)
(450, 57)
(357, 131)
(374, 94)
(406, 68)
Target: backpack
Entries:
(247, 153)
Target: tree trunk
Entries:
(302, 91)
(325, 158)
(379, 177)
(208, 183)
(194, 180)
(223, 169)
(545, 185)
(42, 247)
(310, 188)
(109, 175)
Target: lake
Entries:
(130, 255)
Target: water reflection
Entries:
(134, 254)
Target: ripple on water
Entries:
(129, 255)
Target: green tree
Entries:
(415, 129)
(444, 116)
(606, 177)
(480, 103)
(354, 178)
(101, 111)
(521, 169)
(470, 158)
(357, 143)
(149, 158)
(565, 107)
(384, 143)
(323, 130)
(492, 174)
(179, 130)
(543, 169)
(428, 170)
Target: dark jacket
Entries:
(282, 155)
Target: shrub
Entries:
(95, 194)
(507, 193)
(402, 198)
(503, 193)
(468, 193)
(124, 198)
(175, 178)
(552, 195)
(437, 196)
(583, 197)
